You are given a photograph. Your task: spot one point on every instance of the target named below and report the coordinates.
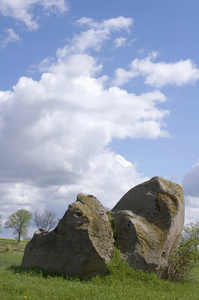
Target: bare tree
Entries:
(46, 220)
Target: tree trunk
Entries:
(19, 237)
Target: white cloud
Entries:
(159, 74)
(115, 24)
(94, 37)
(23, 10)
(191, 190)
(120, 42)
(55, 134)
(55, 5)
(122, 76)
(11, 37)
(60, 122)
(190, 181)
(108, 177)
(191, 209)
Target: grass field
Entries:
(122, 282)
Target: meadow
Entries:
(121, 283)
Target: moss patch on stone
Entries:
(111, 221)
(98, 226)
(168, 185)
(151, 238)
(171, 203)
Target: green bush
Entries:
(186, 256)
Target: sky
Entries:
(97, 97)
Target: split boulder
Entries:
(80, 245)
(148, 221)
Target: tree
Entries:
(46, 220)
(19, 222)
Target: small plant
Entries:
(111, 220)
(8, 248)
(120, 269)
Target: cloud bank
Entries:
(55, 133)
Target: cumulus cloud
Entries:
(122, 76)
(23, 10)
(10, 38)
(55, 133)
(108, 177)
(56, 125)
(159, 74)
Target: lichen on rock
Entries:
(80, 245)
(145, 224)
(148, 221)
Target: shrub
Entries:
(8, 248)
(186, 255)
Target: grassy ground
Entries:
(122, 282)
(8, 245)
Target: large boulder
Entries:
(148, 221)
(80, 245)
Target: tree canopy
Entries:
(19, 222)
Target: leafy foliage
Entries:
(187, 254)
(19, 222)
(111, 220)
(46, 220)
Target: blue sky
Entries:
(96, 97)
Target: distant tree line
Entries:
(20, 221)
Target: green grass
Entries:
(9, 245)
(122, 282)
